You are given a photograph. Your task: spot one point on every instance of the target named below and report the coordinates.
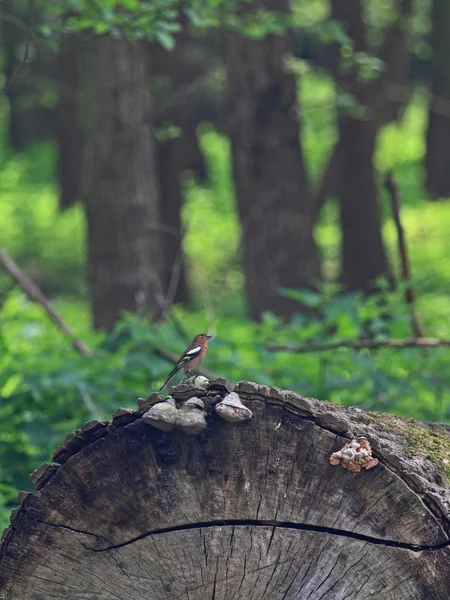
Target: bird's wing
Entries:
(190, 353)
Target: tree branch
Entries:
(31, 17)
(360, 344)
(391, 186)
(35, 294)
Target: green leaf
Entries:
(306, 297)
(166, 40)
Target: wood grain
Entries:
(250, 510)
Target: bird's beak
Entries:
(208, 337)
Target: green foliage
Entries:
(159, 20)
(48, 244)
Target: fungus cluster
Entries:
(355, 455)
(190, 403)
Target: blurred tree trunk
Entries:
(178, 79)
(387, 94)
(269, 175)
(438, 136)
(183, 100)
(119, 181)
(170, 162)
(29, 117)
(363, 257)
(68, 127)
(391, 91)
(10, 40)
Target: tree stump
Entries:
(250, 510)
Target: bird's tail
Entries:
(172, 374)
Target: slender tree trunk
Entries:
(363, 256)
(171, 164)
(271, 189)
(391, 91)
(174, 105)
(388, 94)
(68, 129)
(11, 39)
(181, 100)
(119, 186)
(438, 136)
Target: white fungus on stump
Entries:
(191, 416)
(232, 410)
(197, 381)
(162, 415)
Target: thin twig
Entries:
(35, 294)
(88, 402)
(20, 25)
(179, 95)
(360, 344)
(31, 13)
(391, 186)
(173, 284)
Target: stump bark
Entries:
(251, 510)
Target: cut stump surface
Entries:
(246, 511)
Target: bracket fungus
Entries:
(197, 381)
(162, 415)
(191, 417)
(232, 410)
(190, 405)
(185, 391)
(355, 455)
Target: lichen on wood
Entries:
(354, 456)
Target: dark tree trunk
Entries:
(29, 118)
(387, 95)
(177, 73)
(272, 196)
(11, 38)
(119, 186)
(181, 99)
(68, 127)
(438, 135)
(390, 92)
(171, 164)
(363, 256)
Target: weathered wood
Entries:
(251, 510)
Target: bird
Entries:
(191, 357)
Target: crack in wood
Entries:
(258, 523)
(287, 523)
(316, 419)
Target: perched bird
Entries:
(192, 356)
